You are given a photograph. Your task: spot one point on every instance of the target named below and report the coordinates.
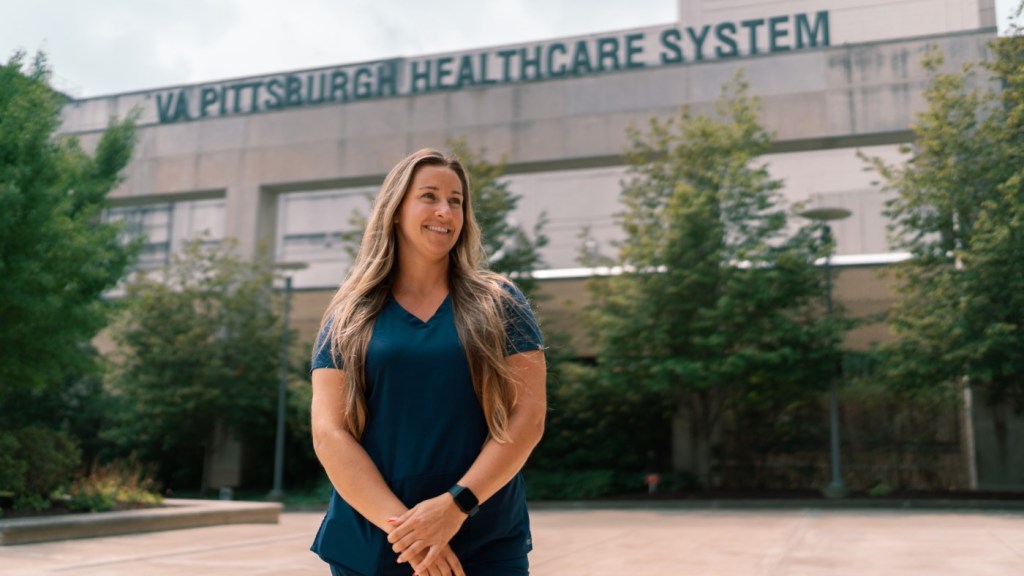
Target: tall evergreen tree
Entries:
(714, 303)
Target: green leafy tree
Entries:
(198, 348)
(715, 303)
(57, 256)
(958, 208)
(511, 248)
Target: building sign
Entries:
(541, 61)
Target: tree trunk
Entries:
(694, 430)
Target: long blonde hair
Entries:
(479, 301)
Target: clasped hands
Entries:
(421, 536)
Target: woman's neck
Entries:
(419, 278)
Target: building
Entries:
(284, 158)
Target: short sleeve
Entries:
(521, 326)
(322, 357)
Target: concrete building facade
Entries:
(285, 158)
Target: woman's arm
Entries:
(499, 463)
(434, 521)
(353, 473)
(350, 469)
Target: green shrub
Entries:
(569, 484)
(678, 482)
(881, 490)
(32, 502)
(52, 458)
(124, 483)
(35, 462)
(594, 424)
(13, 470)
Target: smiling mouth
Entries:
(438, 229)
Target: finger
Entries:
(446, 563)
(405, 533)
(432, 556)
(395, 525)
(405, 543)
(415, 563)
(411, 552)
(404, 516)
(401, 531)
(421, 566)
(454, 564)
(440, 569)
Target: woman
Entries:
(428, 391)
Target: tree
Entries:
(958, 208)
(197, 349)
(57, 256)
(511, 249)
(714, 305)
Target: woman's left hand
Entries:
(427, 526)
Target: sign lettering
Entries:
(535, 62)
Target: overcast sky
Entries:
(100, 47)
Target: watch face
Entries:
(464, 499)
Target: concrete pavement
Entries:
(597, 542)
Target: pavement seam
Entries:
(184, 552)
(1007, 544)
(775, 560)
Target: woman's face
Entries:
(430, 217)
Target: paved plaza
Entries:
(638, 542)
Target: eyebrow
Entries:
(432, 187)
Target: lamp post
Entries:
(277, 492)
(835, 489)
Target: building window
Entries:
(165, 227)
(320, 229)
(573, 200)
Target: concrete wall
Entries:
(824, 103)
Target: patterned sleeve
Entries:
(322, 357)
(521, 326)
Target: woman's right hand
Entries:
(444, 564)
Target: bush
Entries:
(569, 484)
(34, 462)
(593, 424)
(125, 483)
(13, 470)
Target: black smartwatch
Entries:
(464, 499)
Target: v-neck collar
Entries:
(415, 320)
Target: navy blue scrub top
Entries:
(424, 429)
